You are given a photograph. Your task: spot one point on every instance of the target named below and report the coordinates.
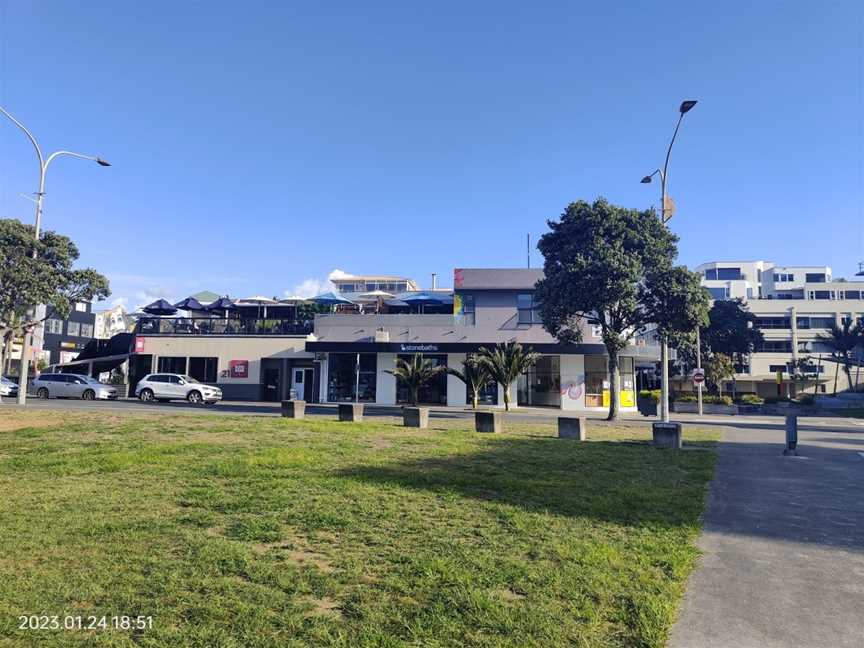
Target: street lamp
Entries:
(40, 195)
(667, 208)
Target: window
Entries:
(73, 329)
(158, 378)
(596, 380)
(342, 377)
(541, 384)
(729, 273)
(54, 326)
(852, 294)
(775, 346)
(203, 369)
(815, 277)
(719, 293)
(87, 330)
(769, 322)
(527, 309)
(433, 392)
(468, 309)
(711, 274)
(781, 277)
(776, 368)
(81, 307)
(172, 364)
(820, 294)
(815, 322)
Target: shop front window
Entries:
(596, 381)
(433, 392)
(351, 376)
(627, 368)
(540, 386)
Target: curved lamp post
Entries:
(665, 215)
(43, 168)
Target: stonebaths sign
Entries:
(418, 348)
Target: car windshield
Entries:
(6, 381)
(189, 379)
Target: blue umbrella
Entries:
(159, 307)
(330, 299)
(424, 297)
(190, 304)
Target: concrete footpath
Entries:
(783, 544)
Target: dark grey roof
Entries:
(496, 278)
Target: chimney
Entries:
(434, 280)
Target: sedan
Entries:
(7, 387)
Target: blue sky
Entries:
(259, 146)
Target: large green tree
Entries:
(614, 267)
(475, 374)
(732, 331)
(415, 373)
(40, 272)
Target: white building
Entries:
(793, 305)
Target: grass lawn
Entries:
(254, 531)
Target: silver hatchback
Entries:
(55, 385)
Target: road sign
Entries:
(698, 376)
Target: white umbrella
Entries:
(374, 296)
(293, 299)
(258, 301)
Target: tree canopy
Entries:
(732, 329)
(613, 267)
(41, 272)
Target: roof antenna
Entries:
(528, 248)
(860, 272)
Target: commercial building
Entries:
(793, 306)
(354, 353)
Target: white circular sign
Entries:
(698, 376)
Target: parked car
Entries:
(8, 387)
(58, 385)
(165, 387)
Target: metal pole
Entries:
(699, 365)
(357, 381)
(664, 345)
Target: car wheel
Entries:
(42, 393)
(146, 395)
(88, 395)
(194, 396)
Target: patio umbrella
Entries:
(190, 304)
(330, 299)
(424, 298)
(293, 299)
(257, 301)
(222, 304)
(159, 307)
(374, 296)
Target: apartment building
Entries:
(793, 305)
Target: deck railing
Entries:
(221, 326)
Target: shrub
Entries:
(685, 398)
(717, 400)
(751, 399)
(651, 394)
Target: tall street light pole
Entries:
(40, 195)
(666, 211)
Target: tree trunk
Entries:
(848, 373)
(613, 386)
(414, 395)
(475, 398)
(836, 373)
(506, 397)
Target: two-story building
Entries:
(356, 352)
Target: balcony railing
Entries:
(216, 326)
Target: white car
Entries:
(7, 387)
(59, 385)
(166, 386)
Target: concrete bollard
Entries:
(295, 409)
(416, 417)
(572, 427)
(488, 421)
(666, 435)
(351, 412)
(791, 435)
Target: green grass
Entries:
(254, 531)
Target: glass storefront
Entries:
(351, 376)
(596, 381)
(627, 367)
(541, 385)
(433, 392)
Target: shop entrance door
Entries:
(303, 383)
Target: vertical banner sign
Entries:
(139, 345)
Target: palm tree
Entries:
(415, 373)
(842, 341)
(506, 362)
(475, 374)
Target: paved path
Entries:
(783, 544)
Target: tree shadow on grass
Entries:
(628, 484)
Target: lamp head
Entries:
(646, 180)
(102, 162)
(686, 105)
